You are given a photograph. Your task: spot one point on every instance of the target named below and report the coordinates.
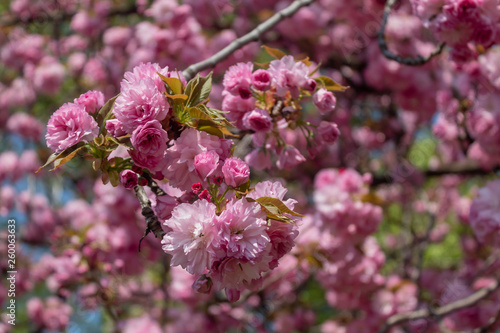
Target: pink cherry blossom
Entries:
(69, 125)
(258, 120)
(242, 230)
(324, 100)
(150, 138)
(93, 100)
(238, 78)
(191, 240)
(206, 163)
(236, 172)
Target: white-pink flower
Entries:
(242, 230)
(69, 125)
(138, 103)
(288, 75)
(238, 78)
(93, 100)
(191, 240)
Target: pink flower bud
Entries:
(261, 80)
(205, 195)
(128, 178)
(143, 181)
(236, 172)
(232, 295)
(150, 138)
(310, 85)
(114, 127)
(93, 100)
(137, 169)
(324, 100)
(258, 120)
(218, 180)
(328, 132)
(206, 163)
(203, 284)
(196, 188)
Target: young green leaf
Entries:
(275, 53)
(330, 84)
(198, 89)
(173, 84)
(60, 155)
(282, 208)
(66, 158)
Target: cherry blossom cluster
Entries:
(218, 228)
(233, 248)
(265, 102)
(464, 25)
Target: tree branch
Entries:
(152, 223)
(382, 43)
(246, 39)
(466, 168)
(444, 310)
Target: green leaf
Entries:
(243, 188)
(114, 177)
(216, 115)
(275, 53)
(66, 158)
(330, 84)
(197, 113)
(181, 97)
(173, 83)
(306, 61)
(282, 208)
(198, 89)
(213, 128)
(60, 155)
(271, 206)
(105, 113)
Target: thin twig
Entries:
(467, 168)
(246, 39)
(152, 223)
(442, 311)
(421, 251)
(382, 43)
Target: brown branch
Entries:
(253, 35)
(466, 168)
(153, 185)
(152, 223)
(382, 43)
(421, 251)
(442, 311)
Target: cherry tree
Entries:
(261, 166)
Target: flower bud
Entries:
(129, 178)
(261, 80)
(324, 100)
(236, 172)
